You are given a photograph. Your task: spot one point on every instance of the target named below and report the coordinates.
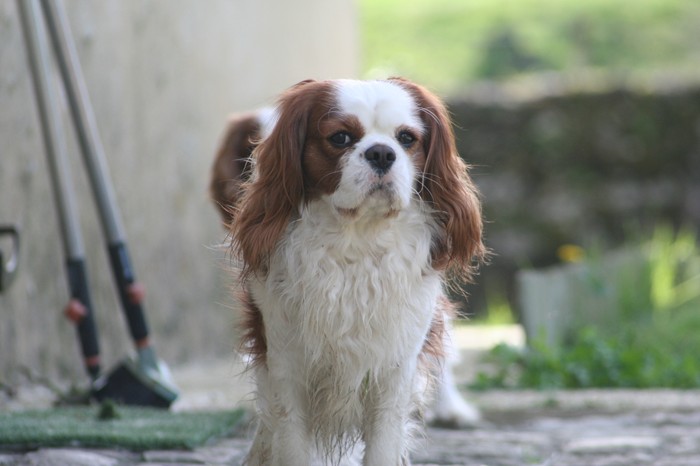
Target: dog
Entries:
(348, 208)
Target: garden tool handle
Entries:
(130, 292)
(83, 119)
(79, 308)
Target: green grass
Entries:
(448, 43)
(128, 427)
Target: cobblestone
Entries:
(640, 435)
(520, 428)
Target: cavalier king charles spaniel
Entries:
(348, 207)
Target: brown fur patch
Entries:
(253, 342)
(431, 360)
(272, 200)
(232, 166)
(448, 187)
(434, 345)
(321, 158)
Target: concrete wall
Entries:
(162, 76)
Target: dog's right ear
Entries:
(232, 165)
(273, 198)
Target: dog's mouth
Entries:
(381, 200)
(383, 188)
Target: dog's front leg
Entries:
(280, 441)
(291, 444)
(387, 417)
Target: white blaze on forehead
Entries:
(379, 105)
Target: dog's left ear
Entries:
(232, 166)
(447, 186)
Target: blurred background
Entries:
(581, 121)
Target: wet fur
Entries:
(298, 256)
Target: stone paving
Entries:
(660, 428)
(567, 428)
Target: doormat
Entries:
(132, 428)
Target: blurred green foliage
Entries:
(655, 344)
(447, 43)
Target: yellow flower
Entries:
(570, 253)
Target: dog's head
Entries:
(369, 149)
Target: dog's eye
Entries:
(341, 139)
(406, 138)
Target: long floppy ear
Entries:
(273, 197)
(448, 187)
(232, 165)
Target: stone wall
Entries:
(588, 161)
(162, 75)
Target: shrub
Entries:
(655, 344)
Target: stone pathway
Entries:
(568, 428)
(566, 439)
(659, 428)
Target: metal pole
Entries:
(84, 120)
(130, 293)
(54, 142)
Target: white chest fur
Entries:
(359, 292)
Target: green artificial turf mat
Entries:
(125, 427)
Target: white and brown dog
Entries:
(347, 206)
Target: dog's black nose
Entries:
(380, 157)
